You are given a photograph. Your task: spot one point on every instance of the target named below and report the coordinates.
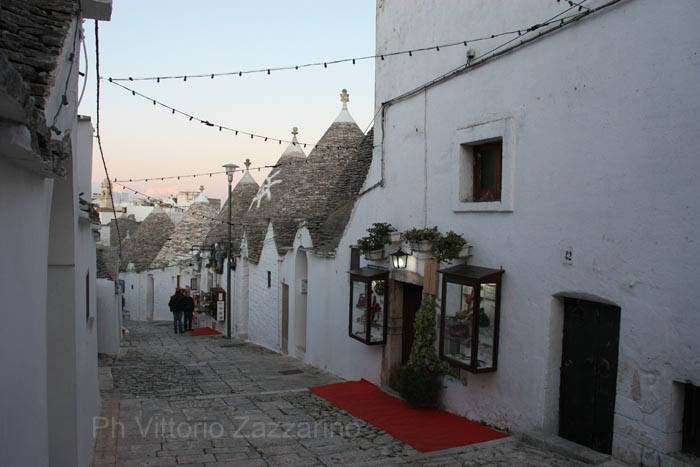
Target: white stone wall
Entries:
(601, 121)
(165, 281)
(109, 317)
(23, 334)
(264, 302)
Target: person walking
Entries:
(189, 309)
(177, 307)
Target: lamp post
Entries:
(230, 168)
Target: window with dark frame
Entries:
(691, 420)
(87, 297)
(193, 284)
(488, 161)
(354, 258)
(269, 279)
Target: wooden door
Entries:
(589, 373)
(412, 296)
(285, 318)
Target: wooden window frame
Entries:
(493, 150)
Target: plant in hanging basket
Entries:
(447, 247)
(422, 239)
(372, 246)
(395, 237)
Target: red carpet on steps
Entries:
(424, 429)
(204, 332)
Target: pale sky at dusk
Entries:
(174, 37)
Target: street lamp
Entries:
(230, 168)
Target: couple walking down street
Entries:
(181, 304)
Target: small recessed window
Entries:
(87, 296)
(269, 279)
(485, 156)
(691, 420)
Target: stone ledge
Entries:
(565, 447)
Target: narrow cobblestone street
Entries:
(181, 400)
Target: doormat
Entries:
(425, 430)
(204, 332)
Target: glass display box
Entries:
(368, 305)
(469, 318)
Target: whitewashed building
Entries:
(109, 307)
(139, 250)
(48, 342)
(213, 253)
(176, 265)
(583, 135)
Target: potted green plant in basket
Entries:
(419, 379)
(449, 246)
(421, 240)
(372, 246)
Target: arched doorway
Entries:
(301, 277)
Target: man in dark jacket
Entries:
(189, 309)
(177, 306)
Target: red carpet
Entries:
(204, 332)
(424, 429)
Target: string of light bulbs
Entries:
(191, 117)
(178, 177)
(326, 63)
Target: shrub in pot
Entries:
(419, 380)
(375, 241)
(447, 247)
(422, 239)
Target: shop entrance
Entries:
(412, 296)
(589, 373)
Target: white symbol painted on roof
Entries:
(264, 190)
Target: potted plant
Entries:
(419, 379)
(395, 237)
(449, 246)
(372, 246)
(421, 240)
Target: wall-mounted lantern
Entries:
(399, 259)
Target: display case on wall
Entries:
(471, 307)
(368, 305)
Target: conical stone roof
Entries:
(327, 228)
(266, 204)
(190, 231)
(298, 191)
(143, 247)
(127, 227)
(241, 197)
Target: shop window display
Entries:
(470, 316)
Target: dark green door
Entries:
(589, 373)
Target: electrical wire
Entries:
(64, 96)
(222, 127)
(204, 174)
(325, 64)
(99, 138)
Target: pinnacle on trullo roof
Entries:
(247, 178)
(294, 149)
(344, 115)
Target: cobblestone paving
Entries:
(205, 401)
